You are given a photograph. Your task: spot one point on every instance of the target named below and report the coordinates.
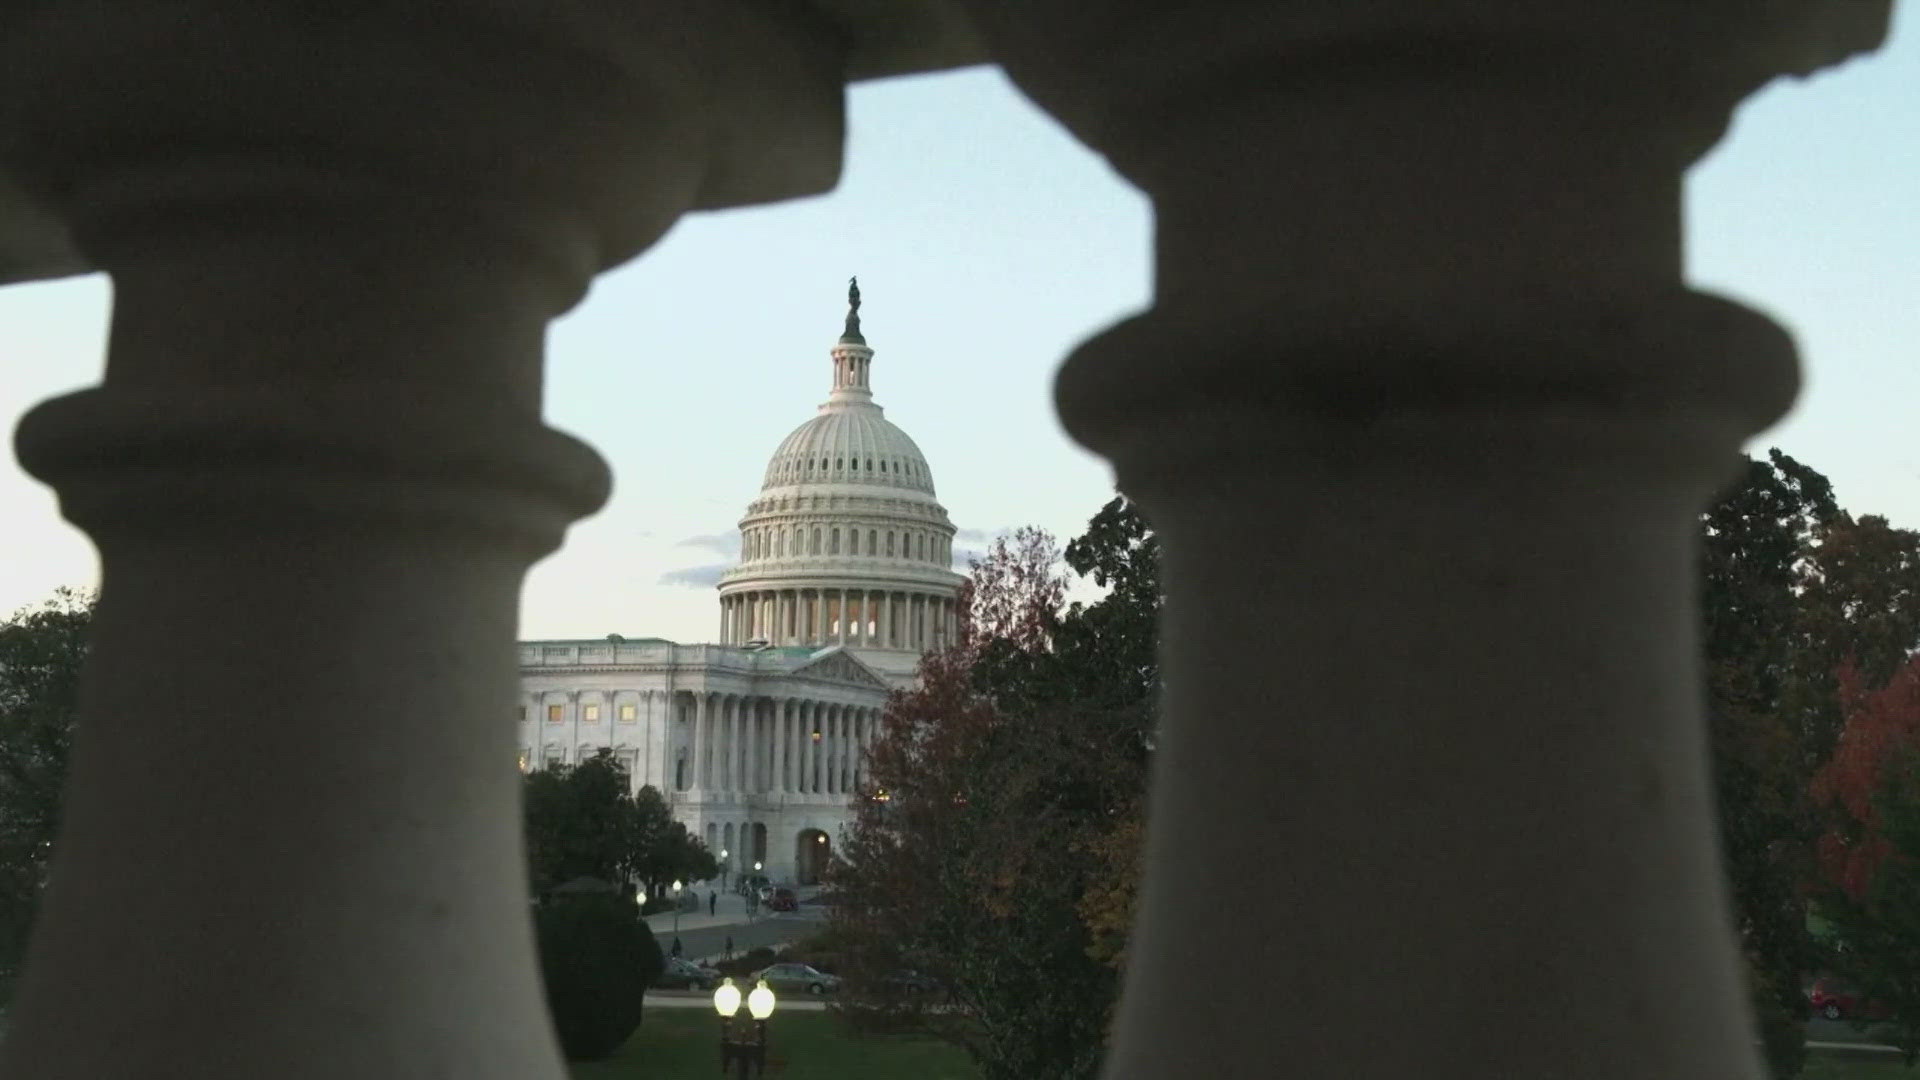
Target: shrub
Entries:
(746, 963)
(596, 961)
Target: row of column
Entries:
(779, 542)
(876, 618)
(777, 746)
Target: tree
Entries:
(997, 847)
(580, 822)
(1860, 606)
(1870, 857)
(41, 651)
(661, 850)
(1754, 546)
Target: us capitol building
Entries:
(844, 581)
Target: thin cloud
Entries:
(979, 536)
(726, 543)
(696, 577)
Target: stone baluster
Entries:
(316, 473)
(1442, 422)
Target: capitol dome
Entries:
(849, 443)
(846, 543)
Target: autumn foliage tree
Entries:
(1003, 808)
(1870, 856)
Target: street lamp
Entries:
(748, 1057)
(676, 909)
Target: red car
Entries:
(1836, 1000)
(783, 900)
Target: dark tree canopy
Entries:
(1793, 591)
(41, 651)
(596, 961)
(580, 822)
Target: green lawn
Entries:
(684, 1043)
(1822, 1066)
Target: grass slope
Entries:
(676, 1043)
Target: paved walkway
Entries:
(730, 909)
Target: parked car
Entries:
(684, 974)
(1835, 1000)
(797, 977)
(783, 900)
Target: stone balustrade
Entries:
(1442, 416)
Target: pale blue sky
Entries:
(987, 244)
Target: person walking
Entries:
(676, 947)
(713, 902)
(729, 946)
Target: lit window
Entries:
(556, 713)
(592, 712)
(629, 711)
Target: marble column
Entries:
(702, 710)
(737, 745)
(777, 758)
(836, 743)
(1445, 418)
(810, 751)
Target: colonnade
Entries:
(753, 745)
(875, 618)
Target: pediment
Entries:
(837, 665)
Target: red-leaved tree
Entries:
(1870, 855)
(961, 881)
(1881, 729)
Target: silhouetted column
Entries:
(1443, 418)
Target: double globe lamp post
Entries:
(746, 1056)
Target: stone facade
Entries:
(843, 583)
